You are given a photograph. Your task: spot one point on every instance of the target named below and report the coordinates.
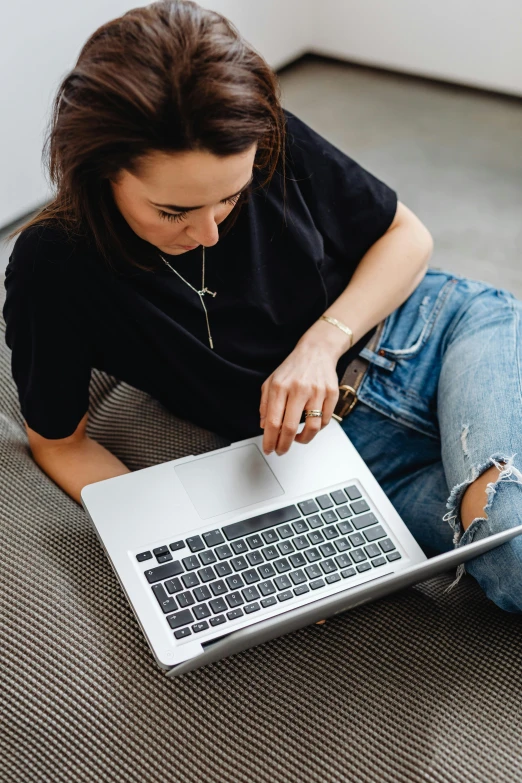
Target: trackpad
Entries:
(229, 480)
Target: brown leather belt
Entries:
(352, 379)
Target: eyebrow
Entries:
(189, 209)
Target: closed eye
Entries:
(181, 215)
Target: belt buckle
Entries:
(348, 405)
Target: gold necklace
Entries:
(200, 293)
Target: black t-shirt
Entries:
(275, 274)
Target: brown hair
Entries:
(171, 76)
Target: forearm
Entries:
(74, 466)
(387, 274)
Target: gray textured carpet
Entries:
(419, 686)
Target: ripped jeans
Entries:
(440, 403)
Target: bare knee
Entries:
(475, 497)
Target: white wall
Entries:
(475, 42)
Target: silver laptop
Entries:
(223, 551)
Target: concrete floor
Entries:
(452, 154)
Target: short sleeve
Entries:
(350, 207)
(50, 356)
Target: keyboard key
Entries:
(364, 567)
(378, 561)
(343, 512)
(333, 578)
(261, 522)
(316, 584)
(234, 614)
(207, 557)
(282, 582)
(164, 558)
(173, 585)
(266, 570)
(285, 531)
(315, 521)
(297, 560)
(315, 537)
(191, 562)
(234, 599)
(357, 539)
(359, 506)
(312, 555)
(164, 572)
(338, 496)
(300, 526)
(223, 569)
(394, 556)
(195, 543)
(328, 566)
(250, 576)
(219, 587)
(182, 632)
(270, 536)
(202, 593)
(328, 549)
(207, 574)
(177, 545)
(352, 492)
(218, 620)
(223, 551)
(190, 580)
(218, 605)
(365, 521)
(239, 547)
(266, 588)
(201, 611)
(160, 550)
(185, 599)
(270, 552)
(324, 501)
(301, 589)
(285, 547)
(251, 608)
(254, 558)
(329, 532)
(270, 601)
(238, 563)
(372, 550)
(282, 565)
(387, 545)
(343, 561)
(180, 618)
(298, 576)
(348, 572)
(301, 542)
(342, 544)
(308, 507)
(235, 582)
(251, 594)
(200, 627)
(255, 541)
(329, 516)
(167, 604)
(358, 555)
(143, 556)
(344, 528)
(285, 596)
(313, 571)
(373, 533)
(213, 538)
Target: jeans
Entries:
(440, 403)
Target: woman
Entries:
(168, 139)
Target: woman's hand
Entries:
(307, 379)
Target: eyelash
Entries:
(181, 215)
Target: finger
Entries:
(264, 402)
(313, 424)
(291, 419)
(275, 409)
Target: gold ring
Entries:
(313, 413)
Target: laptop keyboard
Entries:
(274, 557)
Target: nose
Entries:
(203, 230)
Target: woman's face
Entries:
(200, 185)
